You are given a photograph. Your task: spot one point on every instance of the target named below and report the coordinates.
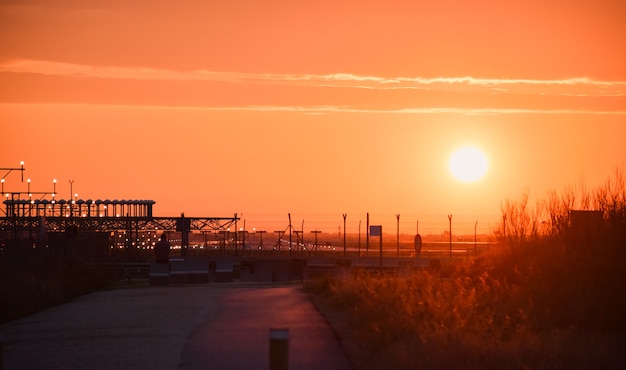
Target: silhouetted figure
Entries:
(162, 249)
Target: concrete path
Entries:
(188, 327)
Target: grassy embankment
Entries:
(546, 299)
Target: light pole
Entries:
(344, 233)
(359, 238)
(450, 233)
(367, 233)
(475, 225)
(315, 232)
(397, 235)
(290, 229)
(280, 235)
(10, 169)
(260, 232)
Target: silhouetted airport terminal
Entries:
(125, 234)
(203, 249)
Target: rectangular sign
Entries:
(376, 230)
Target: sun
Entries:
(468, 164)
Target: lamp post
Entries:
(10, 169)
(367, 234)
(450, 233)
(260, 232)
(315, 232)
(290, 230)
(280, 235)
(397, 235)
(299, 238)
(359, 238)
(475, 225)
(344, 233)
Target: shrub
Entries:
(533, 303)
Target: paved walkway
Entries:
(190, 327)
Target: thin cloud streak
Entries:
(347, 109)
(577, 86)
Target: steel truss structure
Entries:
(103, 224)
(36, 217)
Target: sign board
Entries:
(376, 230)
(418, 244)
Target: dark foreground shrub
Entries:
(511, 308)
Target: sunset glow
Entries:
(468, 164)
(317, 109)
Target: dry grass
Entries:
(513, 308)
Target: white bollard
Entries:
(279, 349)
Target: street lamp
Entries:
(315, 232)
(450, 221)
(397, 235)
(260, 232)
(299, 239)
(344, 233)
(280, 234)
(475, 225)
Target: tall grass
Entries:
(533, 303)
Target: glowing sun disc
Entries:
(468, 164)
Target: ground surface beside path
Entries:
(193, 327)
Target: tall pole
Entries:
(380, 251)
(359, 238)
(289, 214)
(450, 233)
(367, 234)
(344, 233)
(316, 231)
(397, 235)
(236, 232)
(475, 225)
(261, 232)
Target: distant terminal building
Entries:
(24, 208)
(33, 218)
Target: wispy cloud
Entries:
(329, 109)
(575, 86)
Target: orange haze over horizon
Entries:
(276, 107)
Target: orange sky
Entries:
(264, 108)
